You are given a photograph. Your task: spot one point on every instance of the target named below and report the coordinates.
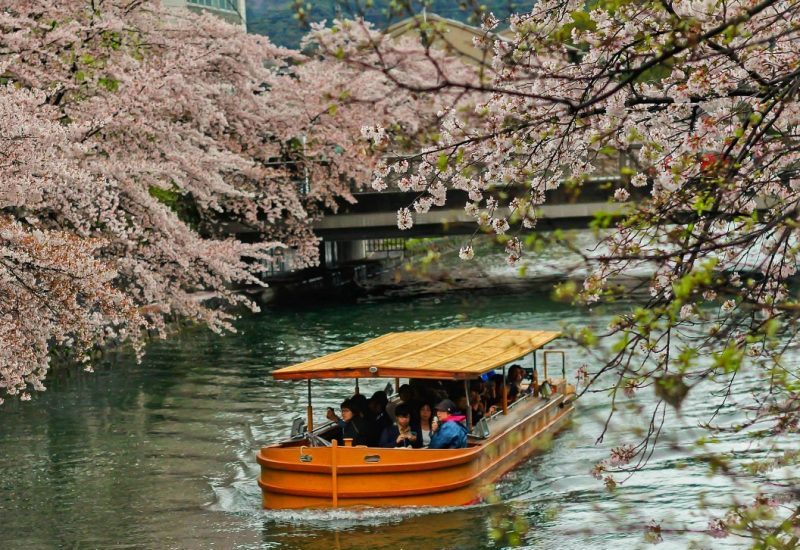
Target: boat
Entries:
(311, 469)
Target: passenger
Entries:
(516, 374)
(478, 385)
(449, 432)
(352, 425)
(425, 423)
(360, 406)
(460, 401)
(453, 388)
(406, 395)
(475, 403)
(401, 434)
(495, 390)
(479, 409)
(379, 419)
(427, 391)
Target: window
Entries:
(227, 5)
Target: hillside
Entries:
(275, 18)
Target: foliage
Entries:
(134, 140)
(699, 102)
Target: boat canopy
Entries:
(441, 354)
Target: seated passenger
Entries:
(516, 374)
(352, 425)
(460, 401)
(475, 403)
(495, 391)
(479, 409)
(478, 385)
(401, 434)
(379, 420)
(449, 432)
(425, 423)
(406, 395)
(360, 406)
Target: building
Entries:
(449, 35)
(230, 10)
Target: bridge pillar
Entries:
(329, 253)
(333, 253)
(351, 251)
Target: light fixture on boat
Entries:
(373, 370)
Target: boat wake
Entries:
(359, 516)
(243, 497)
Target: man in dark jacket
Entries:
(353, 426)
(401, 434)
(449, 432)
(379, 420)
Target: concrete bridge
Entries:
(348, 234)
(368, 229)
(374, 216)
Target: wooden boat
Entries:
(311, 470)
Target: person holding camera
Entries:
(352, 425)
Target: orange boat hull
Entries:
(323, 477)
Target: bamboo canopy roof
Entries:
(443, 354)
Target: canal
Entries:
(162, 454)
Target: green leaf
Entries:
(729, 360)
(583, 21)
(109, 83)
(565, 292)
(672, 389)
(441, 163)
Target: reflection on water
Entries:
(162, 454)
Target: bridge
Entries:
(374, 216)
(359, 231)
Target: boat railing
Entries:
(563, 354)
(481, 429)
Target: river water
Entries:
(162, 454)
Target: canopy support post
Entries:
(334, 472)
(309, 411)
(535, 376)
(469, 405)
(505, 393)
(356, 387)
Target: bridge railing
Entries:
(384, 245)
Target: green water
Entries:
(162, 454)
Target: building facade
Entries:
(231, 10)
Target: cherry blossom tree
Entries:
(56, 293)
(137, 143)
(697, 105)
